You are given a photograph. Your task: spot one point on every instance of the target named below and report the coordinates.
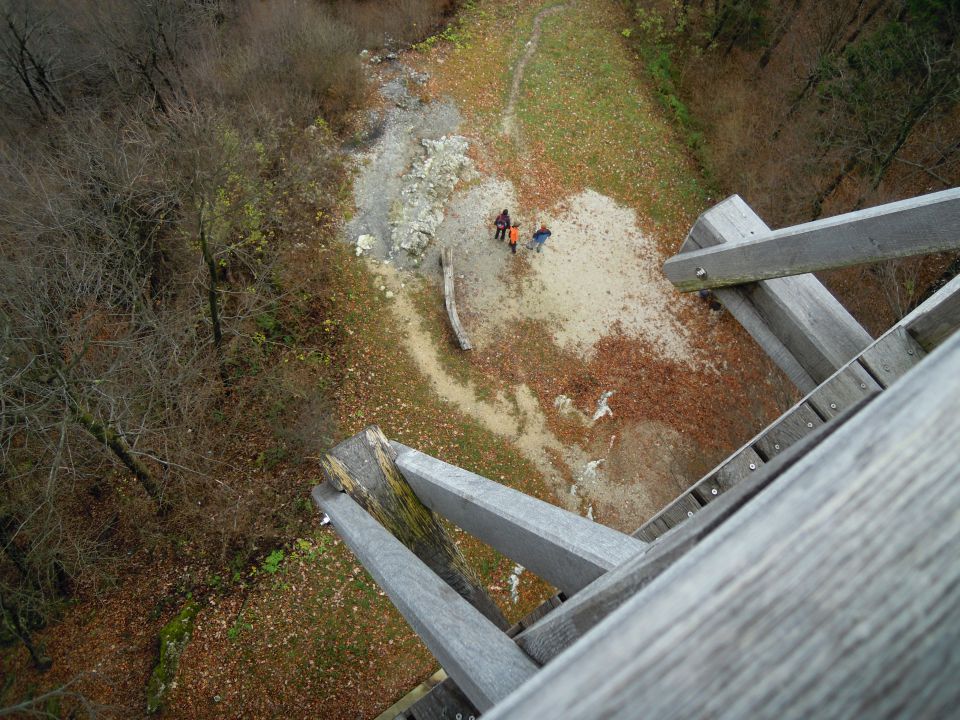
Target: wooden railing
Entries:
(854, 485)
(918, 226)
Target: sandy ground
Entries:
(597, 274)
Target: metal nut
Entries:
(690, 513)
(809, 425)
(753, 466)
(713, 491)
(776, 446)
(701, 273)
(833, 406)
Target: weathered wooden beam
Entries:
(835, 592)
(566, 550)
(553, 634)
(450, 299)
(918, 226)
(938, 323)
(797, 322)
(485, 663)
(364, 467)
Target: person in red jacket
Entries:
(502, 223)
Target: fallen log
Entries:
(446, 260)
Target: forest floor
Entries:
(561, 128)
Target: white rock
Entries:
(365, 243)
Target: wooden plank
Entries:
(450, 299)
(446, 701)
(737, 468)
(798, 422)
(555, 633)
(811, 322)
(797, 322)
(917, 226)
(723, 477)
(891, 356)
(737, 301)
(834, 593)
(364, 466)
(482, 660)
(842, 391)
(566, 550)
(938, 323)
(685, 506)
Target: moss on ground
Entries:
(173, 639)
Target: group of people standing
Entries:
(510, 231)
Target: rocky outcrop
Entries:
(425, 190)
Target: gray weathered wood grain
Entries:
(482, 660)
(833, 593)
(810, 321)
(797, 322)
(450, 299)
(446, 701)
(938, 323)
(566, 550)
(916, 226)
(797, 422)
(364, 466)
(548, 637)
(891, 356)
(843, 390)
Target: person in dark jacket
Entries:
(501, 224)
(539, 238)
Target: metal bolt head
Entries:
(713, 491)
(863, 386)
(753, 466)
(910, 352)
(833, 406)
(776, 446)
(701, 273)
(689, 513)
(809, 425)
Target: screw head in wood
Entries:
(809, 425)
(864, 385)
(713, 491)
(753, 466)
(909, 352)
(833, 406)
(689, 513)
(701, 273)
(776, 446)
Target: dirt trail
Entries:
(528, 429)
(598, 275)
(509, 127)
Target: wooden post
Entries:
(484, 662)
(918, 226)
(798, 323)
(834, 592)
(363, 467)
(566, 550)
(450, 300)
(932, 327)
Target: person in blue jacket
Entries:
(539, 238)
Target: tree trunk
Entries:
(213, 299)
(115, 442)
(779, 34)
(848, 167)
(11, 618)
